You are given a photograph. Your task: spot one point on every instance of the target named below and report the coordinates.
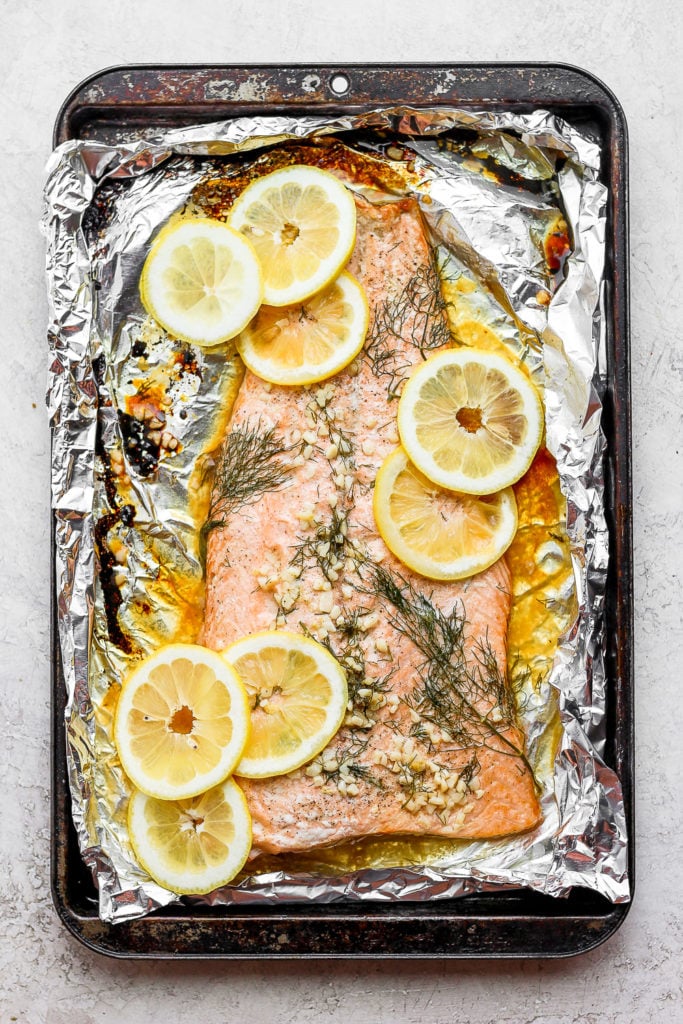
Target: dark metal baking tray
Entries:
(136, 101)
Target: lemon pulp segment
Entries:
(301, 222)
(193, 845)
(181, 723)
(201, 281)
(470, 421)
(439, 533)
(310, 341)
(297, 693)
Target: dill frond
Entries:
(346, 756)
(417, 316)
(470, 701)
(252, 461)
(327, 548)
(348, 651)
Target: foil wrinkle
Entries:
(483, 225)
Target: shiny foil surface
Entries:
(491, 197)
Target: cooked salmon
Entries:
(430, 745)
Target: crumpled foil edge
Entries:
(584, 820)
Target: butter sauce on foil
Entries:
(487, 201)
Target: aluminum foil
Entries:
(102, 205)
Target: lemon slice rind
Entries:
(174, 765)
(280, 724)
(460, 455)
(212, 830)
(339, 309)
(201, 281)
(410, 510)
(301, 221)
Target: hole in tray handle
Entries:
(340, 84)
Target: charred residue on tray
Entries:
(109, 566)
(142, 451)
(557, 247)
(143, 422)
(145, 441)
(470, 150)
(185, 361)
(100, 211)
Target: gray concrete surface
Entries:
(46, 49)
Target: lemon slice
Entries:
(201, 281)
(470, 421)
(298, 695)
(182, 722)
(194, 845)
(307, 342)
(302, 224)
(439, 533)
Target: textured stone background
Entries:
(46, 49)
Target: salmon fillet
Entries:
(429, 745)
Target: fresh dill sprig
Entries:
(251, 462)
(470, 770)
(425, 300)
(345, 762)
(365, 774)
(327, 548)
(470, 702)
(417, 316)
(418, 731)
(523, 682)
(364, 690)
(349, 652)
